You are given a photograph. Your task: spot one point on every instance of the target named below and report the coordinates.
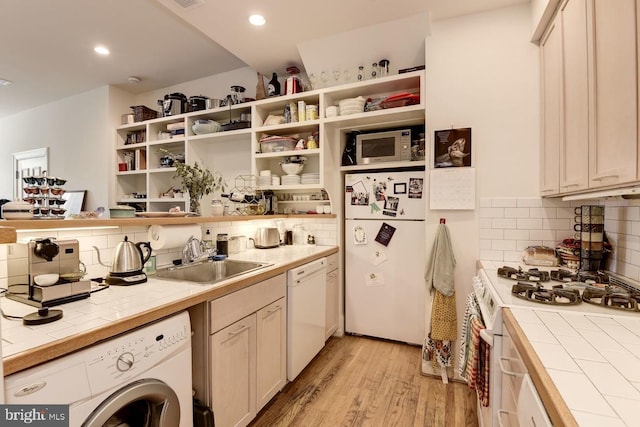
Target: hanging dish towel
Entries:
(441, 262)
(441, 324)
(471, 310)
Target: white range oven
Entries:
(513, 399)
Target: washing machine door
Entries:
(148, 403)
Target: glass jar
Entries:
(217, 208)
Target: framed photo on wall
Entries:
(452, 148)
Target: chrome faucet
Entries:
(192, 250)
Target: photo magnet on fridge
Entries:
(452, 148)
(415, 188)
(385, 234)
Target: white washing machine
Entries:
(141, 378)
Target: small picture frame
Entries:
(452, 148)
(74, 202)
(400, 188)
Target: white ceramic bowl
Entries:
(292, 168)
(46, 279)
(206, 126)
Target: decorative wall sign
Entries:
(385, 234)
(415, 188)
(452, 148)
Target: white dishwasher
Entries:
(306, 299)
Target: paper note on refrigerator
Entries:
(374, 279)
(378, 257)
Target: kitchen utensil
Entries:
(46, 249)
(173, 104)
(213, 103)
(197, 103)
(267, 237)
(237, 94)
(17, 210)
(46, 279)
(383, 70)
(128, 261)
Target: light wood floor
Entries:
(357, 381)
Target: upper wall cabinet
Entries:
(589, 105)
(551, 85)
(613, 153)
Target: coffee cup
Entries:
(589, 228)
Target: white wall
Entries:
(76, 130)
(482, 72)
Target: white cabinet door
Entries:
(331, 308)
(551, 82)
(233, 373)
(613, 153)
(271, 351)
(574, 141)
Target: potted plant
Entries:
(197, 181)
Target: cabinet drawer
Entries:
(230, 308)
(332, 262)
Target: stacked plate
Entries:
(290, 179)
(264, 180)
(310, 178)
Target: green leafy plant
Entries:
(196, 180)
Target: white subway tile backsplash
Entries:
(516, 234)
(529, 224)
(512, 256)
(529, 202)
(503, 245)
(503, 203)
(485, 203)
(492, 234)
(492, 255)
(504, 223)
(491, 213)
(543, 213)
(484, 223)
(539, 234)
(516, 213)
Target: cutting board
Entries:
(7, 234)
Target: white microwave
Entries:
(386, 146)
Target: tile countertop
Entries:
(119, 309)
(593, 361)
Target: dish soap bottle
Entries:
(273, 89)
(207, 241)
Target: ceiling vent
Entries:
(188, 4)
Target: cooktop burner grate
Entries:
(542, 295)
(611, 298)
(531, 275)
(562, 275)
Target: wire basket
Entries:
(142, 113)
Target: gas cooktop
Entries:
(599, 292)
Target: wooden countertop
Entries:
(199, 294)
(125, 222)
(555, 405)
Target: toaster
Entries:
(267, 237)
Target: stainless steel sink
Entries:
(209, 272)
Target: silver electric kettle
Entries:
(127, 264)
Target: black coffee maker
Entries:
(349, 153)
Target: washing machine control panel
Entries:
(135, 352)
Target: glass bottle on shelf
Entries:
(374, 70)
(273, 88)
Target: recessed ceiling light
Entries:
(5, 82)
(257, 20)
(101, 50)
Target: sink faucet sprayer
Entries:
(192, 251)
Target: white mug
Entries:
(326, 209)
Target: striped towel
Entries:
(472, 365)
(471, 310)
(482, 380)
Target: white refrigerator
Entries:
(385, 255)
